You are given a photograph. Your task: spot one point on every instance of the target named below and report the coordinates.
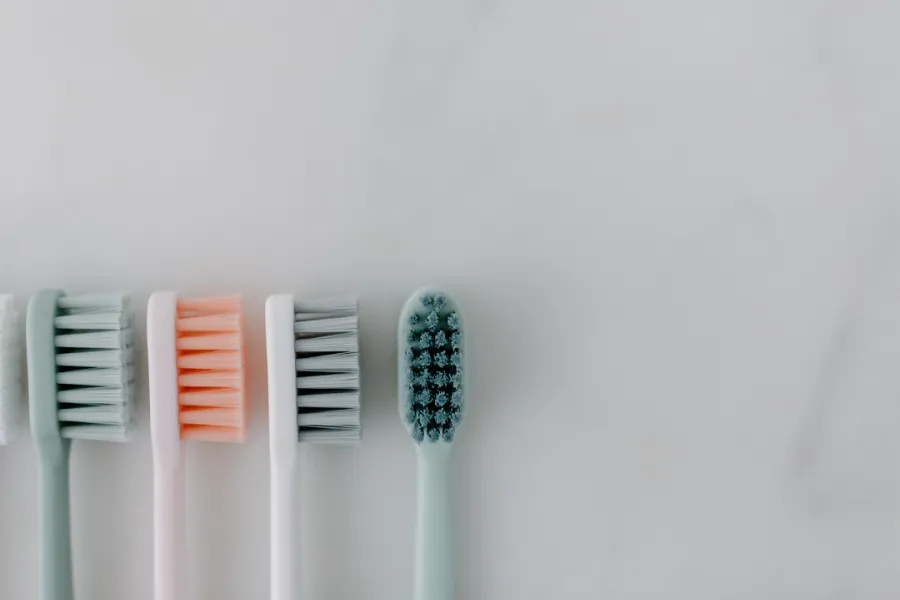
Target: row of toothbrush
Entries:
(81, 386)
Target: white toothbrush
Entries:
(313, 372)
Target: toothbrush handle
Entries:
(433, 565)
(168, 531)
(283, 531)
(55, 546)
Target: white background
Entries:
(672, 227)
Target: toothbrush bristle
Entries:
(326, 349)
(433, 363)
(210, 359)
(94, 367)
(10, 370)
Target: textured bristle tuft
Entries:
(432, 360)
(10, 370)
(211, 379)
(327, 357)
(94, 367)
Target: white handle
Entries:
(434, 552)
(169, 532)
(282, 379)
(283, 515)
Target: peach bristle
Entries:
(218, 305)
(211, 376)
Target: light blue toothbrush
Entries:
(79, 387)
(54, 546)
(431, 402)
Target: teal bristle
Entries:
(455, 341)
(433, 367)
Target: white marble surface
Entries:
(674, 226)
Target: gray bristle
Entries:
(327, 352)
(94, 367)
(10, 370)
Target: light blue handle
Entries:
(54, 539)
(55, 555)
(434, 552)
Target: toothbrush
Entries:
(10, 370)
(80, 383)
(197, 392)
(312, 353)
(431, 402)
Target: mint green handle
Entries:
(55, 556)
(434, 552)
(54, 539)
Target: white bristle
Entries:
(339, 361)
(10, 370)
(338, 381)
(327, 363)
(328, 324)
(339, 342)
(95, 370)
(320, 434)
(329, 418)
(306, 309)
(336, 400)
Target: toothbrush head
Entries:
(432, 372)
(10, 370)
(81, 366)
(209, 355)
(326, 352)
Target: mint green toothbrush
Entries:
(54, 546)
(80, 386)
(431, 402)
